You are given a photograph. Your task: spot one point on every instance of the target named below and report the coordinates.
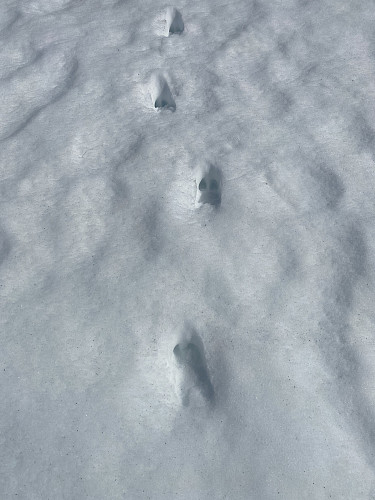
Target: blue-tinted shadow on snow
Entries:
(174, 19)
(161, 93)
(190, 356)
(209, 186)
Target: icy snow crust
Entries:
(153, 346)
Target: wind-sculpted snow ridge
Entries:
(31, 89)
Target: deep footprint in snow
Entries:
(209, 185)
(174, 21)
(190, 357)
(169, 22)
(161, 93)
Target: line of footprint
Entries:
(189, 352)
(209, 177)
(160, 92)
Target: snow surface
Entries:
(153, 346)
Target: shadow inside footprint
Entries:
(164, 99)
(176, 22)
(209, 187)
(191, 357)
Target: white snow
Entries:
(109, 260)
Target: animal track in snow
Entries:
(196, 381)
(169, 22)
(174, 21)
(46, 6)
(209, 185)
(161, 94)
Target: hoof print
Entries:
(161, 94)
(196, 379)
(209, 185)
(174, 21)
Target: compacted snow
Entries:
(187, 249)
